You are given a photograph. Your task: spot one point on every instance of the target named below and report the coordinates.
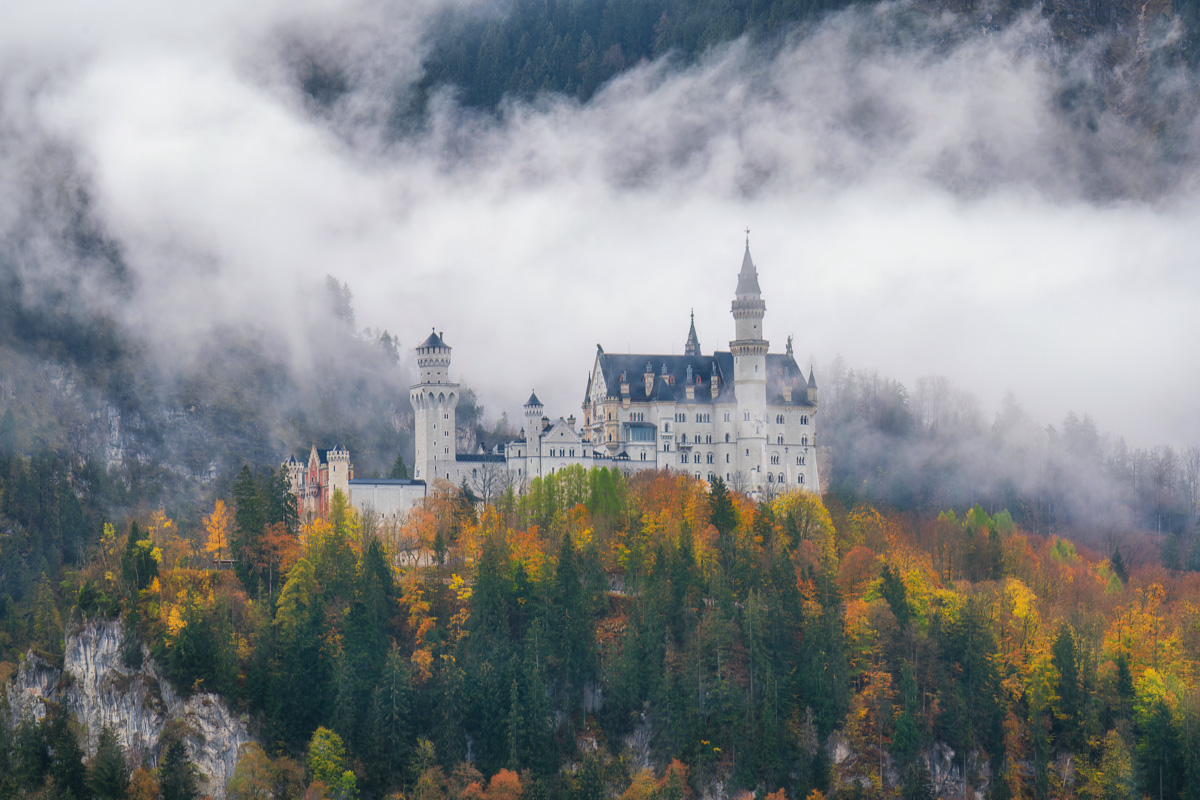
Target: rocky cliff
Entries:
(99, 690)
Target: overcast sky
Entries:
(917, 209)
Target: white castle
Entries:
(744, 415)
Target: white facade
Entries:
(744, 415)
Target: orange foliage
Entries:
(504, 785)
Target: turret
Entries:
(812, 387)
(338, 460)
(433, 358)
(533, 421)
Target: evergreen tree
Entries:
(399, 469)
(1068, 690)
(66, 760)
(108, 774)
(31, 755)
(177, 774)
(249, 521)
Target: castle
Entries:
(745, 415)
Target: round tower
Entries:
(434, 400)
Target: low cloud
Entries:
(923, 197)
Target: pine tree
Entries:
(108, 774)
(399, 470)
(177, 775)
(66, 759)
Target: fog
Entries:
(919, 198)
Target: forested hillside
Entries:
(644, 636)
(522, 48)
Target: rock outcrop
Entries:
(99, 690)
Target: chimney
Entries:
(648, 379)
(787, 393)
(716, 386)
(571, 422)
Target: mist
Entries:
(925, 195)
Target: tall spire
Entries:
(692, 347)
(748, 277)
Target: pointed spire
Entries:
(533, 400)
(692, 346)
(812, 379)
(748, 277)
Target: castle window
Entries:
(775, 458)
(683, 458)
(697, 439)
(445, 433)
(666, 427)
(804, 440)
(747, 451)
(799, 479)
(779, 419)
(727, 438)
(745, 416)
(696, 458)
(572, 452)
(780, 440)
(709, 457)
(708, 438)
(770, 478)
(727, 416)
(447, 451)
(445, 416)
(712, 476)
(727, 458)
(643, 455)
(697, 476)
(804, 419)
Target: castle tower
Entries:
(533, 433)
(434, 400)
(749, 350)
(338, 460)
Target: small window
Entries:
(804, 440)
(697, 439)
(683, 458)
(745, 416)
(708, 438)
(710, 458)
(727, 458)
(727, 416)
(779, 440)
(799, 479)
(727, 438)
(696, 458)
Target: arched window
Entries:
(770, 478)
(727, 438)
(799, 479)
(779, 440)
(696, 458)
(804, 419)
(697, 439)
(804, 440)
(709, 458)
(727, 458)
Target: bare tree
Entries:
(489, 480)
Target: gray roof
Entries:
(748, 277)
(781, 371)
(480, 458)
(533, 401)
(812, 379)
(433, 341)
(386, 482)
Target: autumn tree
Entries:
(216, 529)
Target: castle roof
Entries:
(748, 277)
(433, 341)
(782, 371)
(533, 400)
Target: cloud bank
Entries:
(924, 197)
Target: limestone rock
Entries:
(140, 704)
